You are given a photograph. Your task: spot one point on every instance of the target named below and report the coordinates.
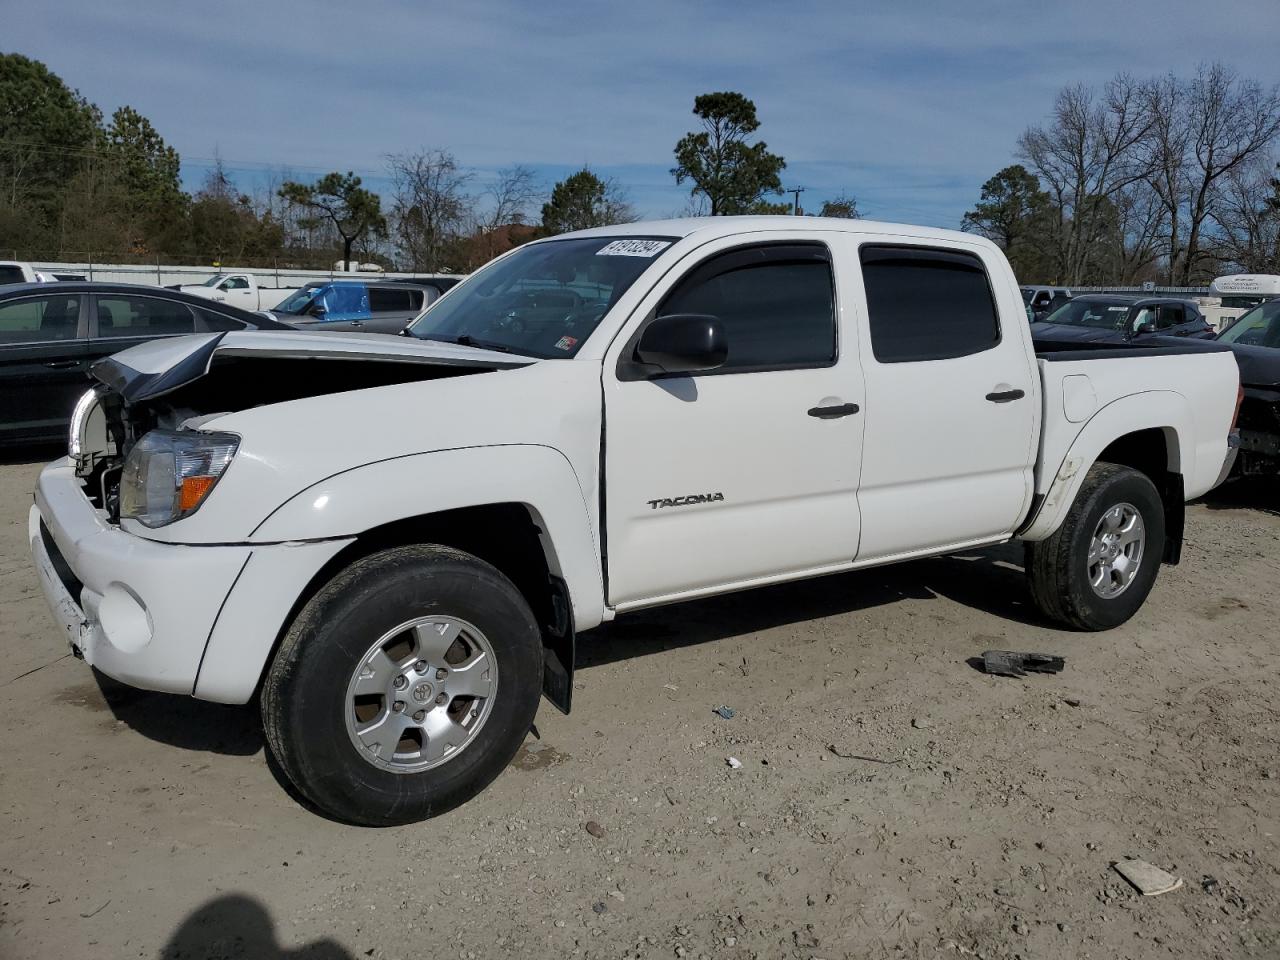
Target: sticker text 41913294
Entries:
(632, 248)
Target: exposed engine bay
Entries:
(209, 383)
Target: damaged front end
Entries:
(1259, 425)
(181, 384)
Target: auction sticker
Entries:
(633, 248)
(566, 343)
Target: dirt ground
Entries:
(892, 800)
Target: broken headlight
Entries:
(169, 473)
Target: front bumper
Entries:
(145, 612)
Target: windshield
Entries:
(1260, 327)
(297, 302)
(1027, 294)
(214, 280)
(543, 300)
(1080, 312)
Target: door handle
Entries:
(1004, 396)
(357, 323)
(62, 364)
(832, 413)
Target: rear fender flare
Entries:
(1165, 410)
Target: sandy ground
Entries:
(982, 823)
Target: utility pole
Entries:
(797, 191)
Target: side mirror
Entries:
(317, 310)
(1143, 328)
(677, 344)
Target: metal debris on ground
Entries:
(734, 763)
(1147, 880)
(723, 712)
(843, 755)
(1013, 663)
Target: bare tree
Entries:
(430, 205)
(1247, 216)
(1166, 158)
(1232, 120)
(1085, 156)
(507, 201)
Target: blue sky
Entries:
(908, 106)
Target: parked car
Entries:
(51, 333)
(14, 271)
(237, 289)
(1043, 300)
(1255, 340)
(397, 540)
(1099, 317)
(351, 306)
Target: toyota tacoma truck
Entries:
(394, 544)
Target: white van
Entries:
(1240, 292)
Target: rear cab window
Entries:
(927, 304)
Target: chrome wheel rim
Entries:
(420, 694)
(1115, 552)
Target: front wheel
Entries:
(1096, 569)
(404, 687)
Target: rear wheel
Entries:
(1096, 569)
(404, 687)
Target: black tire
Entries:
(305, 692)
(1058, 567)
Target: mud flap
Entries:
(558, 642)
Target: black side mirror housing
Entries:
(680, 343)
(1145, 328)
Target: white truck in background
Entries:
(396, 541)
(15, 271)
(239, 290)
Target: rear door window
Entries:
(130, 316)
(927, 304)
(387, 300)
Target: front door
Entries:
(951, 418)
(750, 471)
(43, 365)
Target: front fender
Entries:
(539, 477)
(1164, 410)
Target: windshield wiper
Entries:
(466, 340)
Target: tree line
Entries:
(74, 184)
(1167, 179)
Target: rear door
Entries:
(43, 364)
(951, 412)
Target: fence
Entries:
(282, 276)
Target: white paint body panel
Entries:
(927, 465)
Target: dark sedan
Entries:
(1108, 318)
(1255, 340)
(51, 332)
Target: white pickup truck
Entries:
(238, 289)
(395, 542)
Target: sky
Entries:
(907, 106)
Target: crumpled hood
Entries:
(161, 366)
